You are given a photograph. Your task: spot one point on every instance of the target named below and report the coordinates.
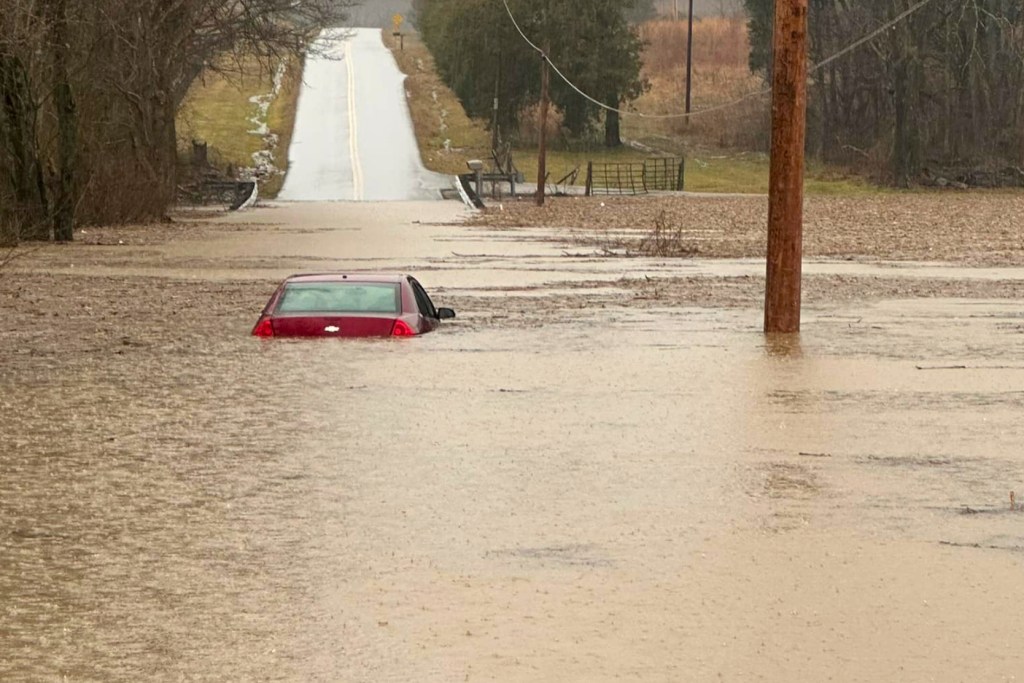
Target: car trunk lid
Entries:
(334, 325)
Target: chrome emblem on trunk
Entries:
(332, 328)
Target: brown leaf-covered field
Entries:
(970, 229)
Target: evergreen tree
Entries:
(760, 30)
(480, 55)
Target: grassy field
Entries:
(709, 171)
(218, 110)
(706, 170)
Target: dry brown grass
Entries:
(447, 137)
(720, 76)
(218, 110)
(666, 239)
(281, 120)
(717, 41)
(967, 228)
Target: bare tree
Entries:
(89, 93)
(23, 196)
(939, 92)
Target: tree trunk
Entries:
(906, 139)
(612, 129)
(167, 140)
(67, 128)
(542, 172)
(19, 138)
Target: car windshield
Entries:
(340, 297)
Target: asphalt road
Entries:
(353, 138)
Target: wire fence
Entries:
(666, 173)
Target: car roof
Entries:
(349, 276)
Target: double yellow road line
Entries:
(353, 137)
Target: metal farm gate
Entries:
(665, 174)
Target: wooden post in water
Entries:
(542, 173)
(786, 176)
(494, 119)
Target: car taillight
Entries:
(402, 329)
(264, 328)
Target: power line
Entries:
(871, 36)
(727, 105)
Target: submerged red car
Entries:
(349, 305)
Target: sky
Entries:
(378, 13)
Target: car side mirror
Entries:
(445, 314)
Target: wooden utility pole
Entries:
(786, 176)
(494, 122)
(689, 57)
(542, 172)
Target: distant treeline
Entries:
(942, 92)
(89, 92)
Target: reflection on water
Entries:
(779, 345)
(668, 498)
(790, 481)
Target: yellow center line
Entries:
(353, 139)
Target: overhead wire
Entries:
(727, 105)
(869, 37)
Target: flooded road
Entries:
(561, 485)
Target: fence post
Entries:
(681, 179)
(590, 179)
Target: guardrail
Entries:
(236, 194)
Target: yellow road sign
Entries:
(397, 19)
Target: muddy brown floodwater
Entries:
(600, 471)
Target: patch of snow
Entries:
(264, 162)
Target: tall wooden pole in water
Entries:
(786, 176)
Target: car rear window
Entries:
(340, 297)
